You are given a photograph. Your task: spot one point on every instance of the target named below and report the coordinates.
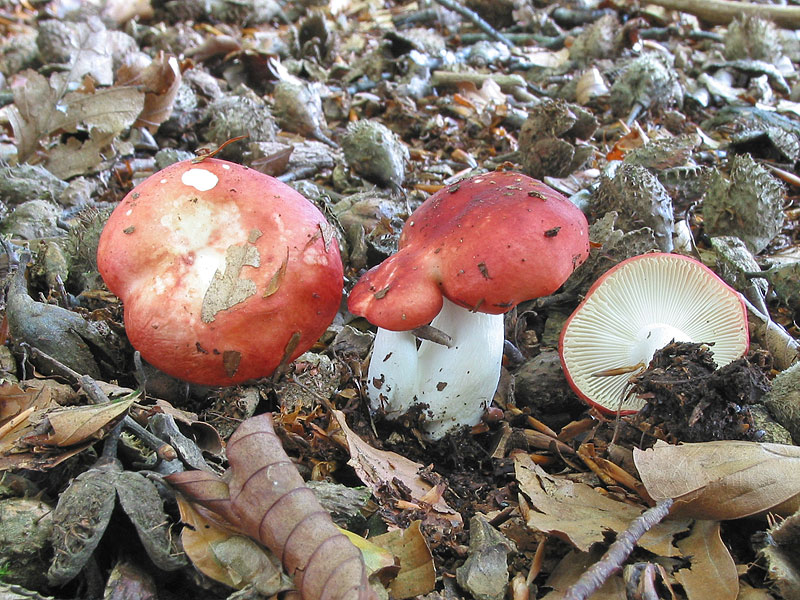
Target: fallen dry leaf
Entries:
(75, 157)
(489, 94)
(40, 111)
(417, 574)
(236, 564)
(724, 479)
(267, 499)
(712, 573)
(376, 558)
(79, 424)
(160, 81)
(121, 11)
(376, 467)
(590, 85)
(572, 566)
(38, 394)
(18, 403)
(581, 516)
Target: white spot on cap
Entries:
(163, 181)
(226, 167)
(200, 179)
(129, 212)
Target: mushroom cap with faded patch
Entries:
(486, 243)
(224, 272)
(637, 307)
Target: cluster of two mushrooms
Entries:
(475, 250)
(226, 274)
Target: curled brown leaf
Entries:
(269, 501)
(723, 480)
(160, 81)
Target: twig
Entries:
(545, 41)
(722, 12)
(477, 20)
(430, 333)
(97, 396)
(595, 576)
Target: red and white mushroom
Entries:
(470, 253)
(637, 307)
(224, 272)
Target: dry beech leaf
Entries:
(489, 94)
(268, 500)
(160, 80)
(579, 515)
(38, 394)
(39, 111)
(109, 110)
(572, 566)
(79, 424)
(18, 403)
(724, 479)
(217, 45)
(417, 574)
(28, 120)
(590, 85)
(376, 467)
(122, 11)
(234, 563)
(91, 53)
(75, 157)
(712, 573)
(545, 58)
(376, 558)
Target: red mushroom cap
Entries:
(224, 272)
(487, 243)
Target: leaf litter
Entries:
(662, 127)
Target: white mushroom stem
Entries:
(455, 384)
(653, 337)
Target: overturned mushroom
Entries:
(470, 253)
(224, 272)
(638, 307)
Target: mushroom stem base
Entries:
(455, 385)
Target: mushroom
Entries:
(470, 253)
(637, 307)
(224, 273)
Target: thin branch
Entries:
(477, 20)
(722, 12)
(96, 396)
(596, 575)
